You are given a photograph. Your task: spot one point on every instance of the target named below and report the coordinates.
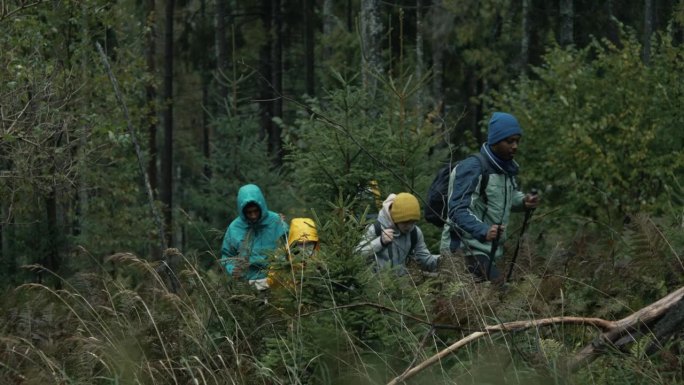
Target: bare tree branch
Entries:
(6, 13)
(138, 152)
(612, 331)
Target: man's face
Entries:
(406, 227)
(507, 148)
(252, 212)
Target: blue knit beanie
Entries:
(501, 126)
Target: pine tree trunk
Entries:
(420, 56)
(7, 261)
(525, 41)
(648, 31)
(266, 104)
(167, 154)
(567, 15)
(274, 137)
(80, 200)
(310, 44)
(328, 26)
(612, 30)
(371, 34)
(206, 81)
(52, 260)
(151, 94)
(440, 24)
(221, 47)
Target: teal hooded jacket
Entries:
(255, 242)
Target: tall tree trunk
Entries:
(7, 262)
(81, 191)
(328, 26)
(677, 28)
(266, 104)
(151, 94)
(612, 29)
(206, 129)
(525, 41)
(310, 44)
(52, 260)
(567, 15)
(648, 31)
(221, 47)
(420, 56)
(274, 136)
(440, 25)
(371, 35)
(350, 17)
(475, 88)
(206, 81)
(167, 154)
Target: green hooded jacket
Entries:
(255, 242)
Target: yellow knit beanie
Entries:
(405, 208)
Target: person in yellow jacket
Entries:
(302, 244)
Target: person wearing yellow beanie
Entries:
(395, 237)
(405, 208)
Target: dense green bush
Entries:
(602, 129)
(343, 142)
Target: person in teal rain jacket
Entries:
(252, 238)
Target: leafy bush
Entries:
(601, 128)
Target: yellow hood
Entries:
(301, 230)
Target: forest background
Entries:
(312, 100)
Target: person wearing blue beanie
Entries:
(501, 126)
(483, 192)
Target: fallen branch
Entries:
(612, 331)
(633, 322)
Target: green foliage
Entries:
(601, 127)
(240, 156)
(339, 145)
(486, 37)
(68, 165)
(344, 322)
(604, 137)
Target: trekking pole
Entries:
(492, 253)
(528, 215)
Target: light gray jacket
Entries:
(395, 254)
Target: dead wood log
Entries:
(612, 330)
(642, 318)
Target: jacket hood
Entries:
(302, 230)
(510, 167)
(384, 217)
(251, 193)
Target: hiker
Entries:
(303, 239)
(303, 244)
(395, 237)
(252, 238)
(482, 192)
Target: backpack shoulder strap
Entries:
(484, 165)
(377, 227)
(414, 240)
